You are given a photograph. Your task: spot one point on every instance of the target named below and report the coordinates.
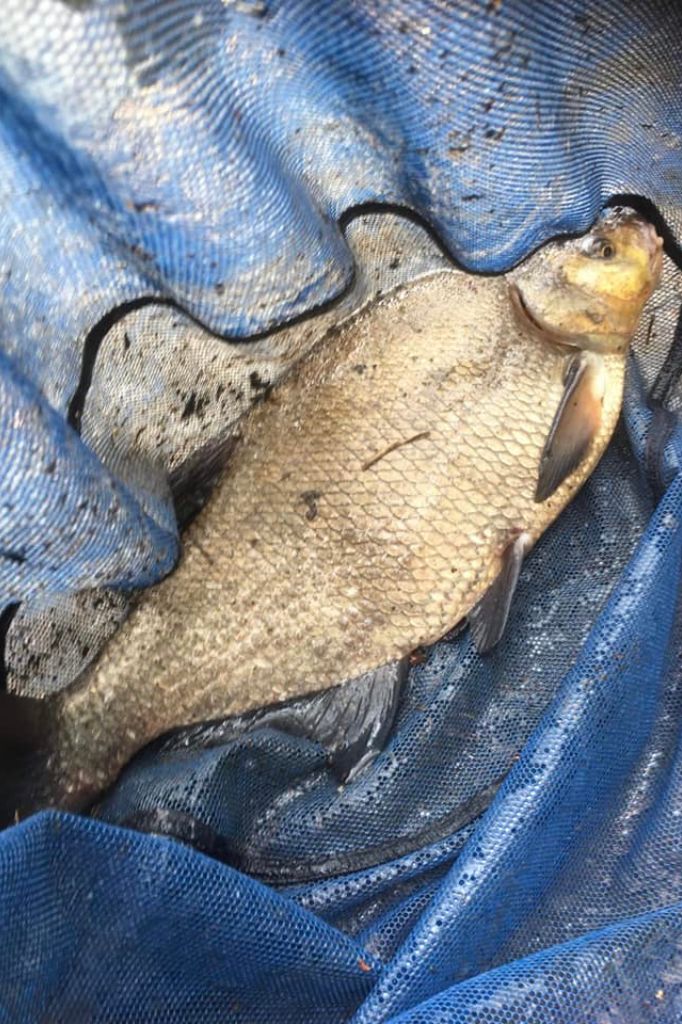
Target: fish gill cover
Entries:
(173, 172)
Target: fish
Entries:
(387, 489)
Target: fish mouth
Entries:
(652, 239)
(654, 244)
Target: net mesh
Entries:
(181, 182)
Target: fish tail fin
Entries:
(25, 751)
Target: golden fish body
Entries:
(366, 510)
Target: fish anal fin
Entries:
(381, 692)
(575, 424)
(488, 618)
(352, 720)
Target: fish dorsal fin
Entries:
(489, 617)
(576, 422)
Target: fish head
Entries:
(589, 292)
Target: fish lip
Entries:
(654, 245)
(656, 258)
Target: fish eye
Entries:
(599, 248)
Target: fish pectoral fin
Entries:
(576, 422)
(488, 618)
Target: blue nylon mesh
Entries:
(202, 152)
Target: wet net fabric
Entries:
(182, 185)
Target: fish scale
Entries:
(386, 489)
(271, 599)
